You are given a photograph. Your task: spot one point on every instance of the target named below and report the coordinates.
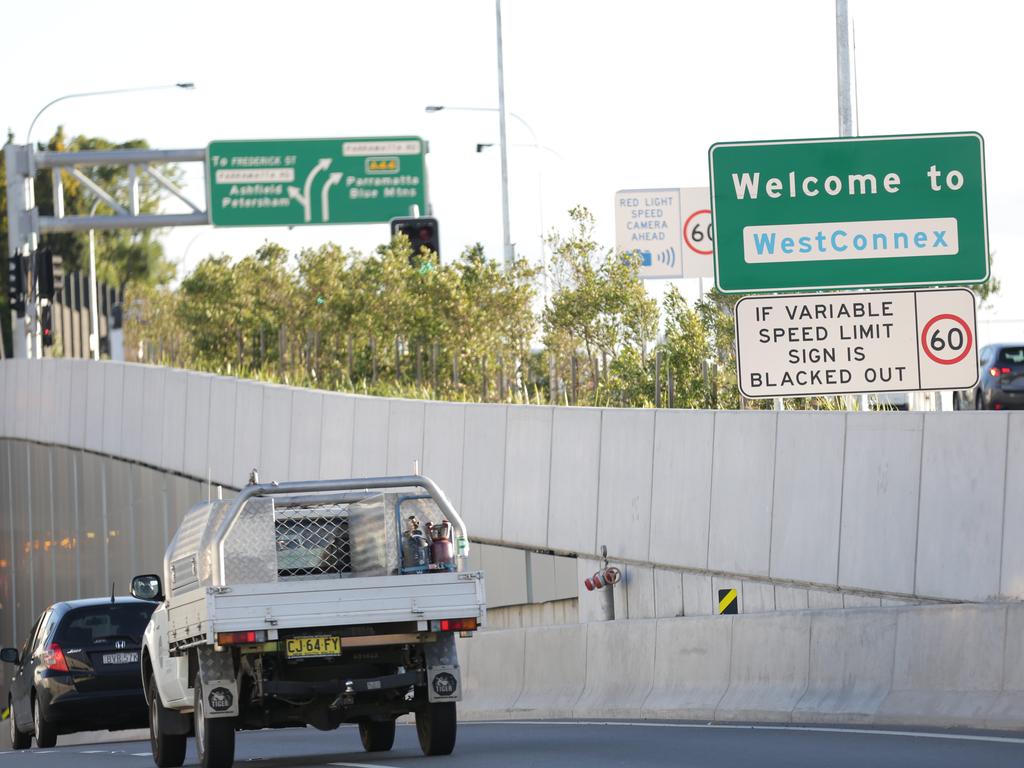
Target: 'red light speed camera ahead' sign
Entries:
(848, 343)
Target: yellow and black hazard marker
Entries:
(727, 602)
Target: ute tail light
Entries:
(242, 638)
(53, 658)
(997, 372)
(454, 625)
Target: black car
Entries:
(1000, 383)
(79, 671)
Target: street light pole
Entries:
(504, 172)
(480, 147)
(25, 239)
(28, 136)
(444, 107)
(509, 248)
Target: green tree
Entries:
(717, 311)
(990, 287)
(598, 309)
(152, 325)
(327, 299)
(689, 346)
(209, 310)
(266, 318)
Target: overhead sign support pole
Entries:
(25, 225)
(19, 237)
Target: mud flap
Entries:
(217, 672)
(444, 681)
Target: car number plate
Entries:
(310, 647)
(121, 658)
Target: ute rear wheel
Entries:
(215, 736)
(168, 748)
(19, 739)
(435, 726)
(377, 735)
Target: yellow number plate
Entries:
(309, 647)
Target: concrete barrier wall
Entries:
(902, 504)
(937, 666)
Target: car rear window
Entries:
(84, 626)
(1011, 355)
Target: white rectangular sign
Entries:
(848, 343)
(670, 229)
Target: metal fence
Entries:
(72, 317)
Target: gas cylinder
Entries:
(415, 544)
(442, 551)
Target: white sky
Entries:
(625, 94)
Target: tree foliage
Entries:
(340, 319)
(599, 316)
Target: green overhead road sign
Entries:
(315, 181)
(823, 214)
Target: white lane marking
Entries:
(362, 765)
(813, 729)
(93, 752)
(142, 754)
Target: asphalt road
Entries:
(581, 743)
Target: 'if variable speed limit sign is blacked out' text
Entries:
(846, 343)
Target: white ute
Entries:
(310, 603)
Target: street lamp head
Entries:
(482, 147)
(434, 108)
(186, 86)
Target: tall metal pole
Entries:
(20, 228)
(540, 180)
(94, 317)
(843, 68)
(843, 83)
(508, 248)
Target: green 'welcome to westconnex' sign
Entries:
(825, 214)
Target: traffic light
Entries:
(50, 270)
(46, 324)
(422, 231)
(16, 285)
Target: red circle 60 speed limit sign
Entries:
(947, 339)
(699, 232)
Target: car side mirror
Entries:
(10, 655)
(147, 587)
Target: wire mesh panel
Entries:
(313, 542)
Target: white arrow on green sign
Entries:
(292, 182)
(823, 214)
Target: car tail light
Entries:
(454, 625)
(997, 372)
(53, 658)
(242, 638)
